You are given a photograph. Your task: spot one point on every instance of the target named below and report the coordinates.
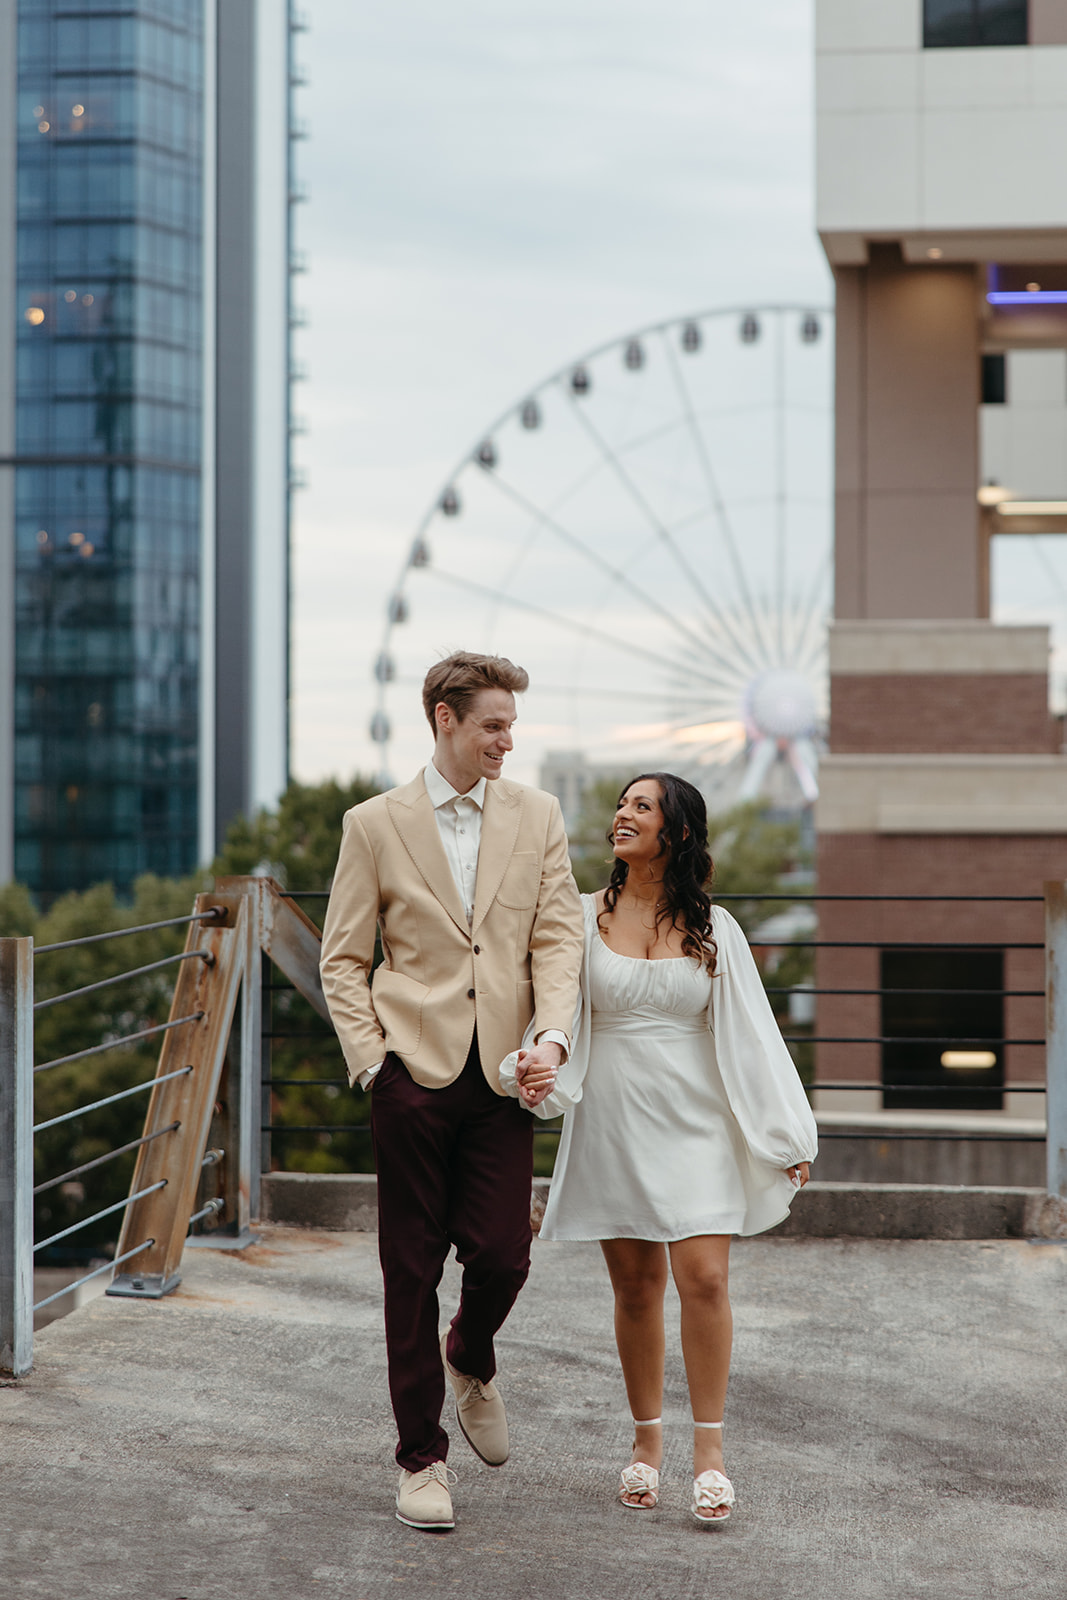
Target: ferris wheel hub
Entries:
(780, 704)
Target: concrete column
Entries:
(907, 524)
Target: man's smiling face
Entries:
(476, 747)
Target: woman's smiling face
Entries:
(638, 822)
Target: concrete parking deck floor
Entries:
(896, 1428)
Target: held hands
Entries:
(799, 1174)
(535, 1073)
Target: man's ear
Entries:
(443, 716)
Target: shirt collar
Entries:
(441, 791)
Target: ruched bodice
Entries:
(667, 991)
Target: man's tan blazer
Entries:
(521, 954)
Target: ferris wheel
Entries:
(648, 532)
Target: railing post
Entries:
(16, 1155)
(1056, 1037)
(251, 1046)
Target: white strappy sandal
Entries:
(639, 1478)
(713, 1493)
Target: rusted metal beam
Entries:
(1056, 1035)
(16, 1155)
(212, 988)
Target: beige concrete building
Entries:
(942, 207)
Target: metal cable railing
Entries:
(212, 915)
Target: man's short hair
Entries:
(459, 677)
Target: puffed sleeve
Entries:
(761, 1082)
(571, 1075)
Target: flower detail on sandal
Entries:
(713, 1495)
(638, 1479)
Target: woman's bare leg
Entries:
(701, 1268)
(638, 1272)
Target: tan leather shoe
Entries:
(423, 1499)
(480, 1414)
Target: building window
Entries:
(994, 380)
(943, 1023)
(952, 24)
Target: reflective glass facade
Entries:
(108, 492)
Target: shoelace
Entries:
(439, 1473)
(475, 1390)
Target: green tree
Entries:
(298, 843)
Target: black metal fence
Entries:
(313, 1121)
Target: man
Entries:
(469, 880)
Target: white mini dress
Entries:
(682, 1105)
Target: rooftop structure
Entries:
(942, 206)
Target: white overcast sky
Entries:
(496, 186)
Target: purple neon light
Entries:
(1027, 297)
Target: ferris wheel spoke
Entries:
(811, 635)
(1042, 557)
(714, 492)
(658, 527)
(544, 519)
(571, 624)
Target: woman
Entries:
(685, 1119)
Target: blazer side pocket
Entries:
(398, 1002)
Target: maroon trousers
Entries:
(454, 1168)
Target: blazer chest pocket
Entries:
(520, 883)
(398, 1002)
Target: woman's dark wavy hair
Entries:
(687, 874)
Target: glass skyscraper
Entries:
(144, 472)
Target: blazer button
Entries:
(470, 994)
(477, 949)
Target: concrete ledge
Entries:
(347, 1202)
(914, 1211)
(342, 1202)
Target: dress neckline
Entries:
(651, 961)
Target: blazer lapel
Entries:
(412, 815)
(501, 816)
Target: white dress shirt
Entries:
(459, 823)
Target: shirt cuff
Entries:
(365, 1079)
(553, 1036)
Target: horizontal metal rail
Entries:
(936, 1134)
(889, 1038)
(120, 977)
(113, 1044)
(309, 1083)
(109, 1100)
(123, 1149)
(212, 915)
(803, 899)
(315, 1127)
(977, 994)
(120, 1205)
(307, 1034)
(930, 1088)
(883, 944)
(127, 1255)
